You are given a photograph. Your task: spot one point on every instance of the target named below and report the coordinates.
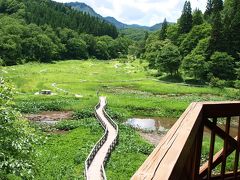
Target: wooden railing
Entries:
(179, 153)
(114, 143)
(97, 146)
(100, 143)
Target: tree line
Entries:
(44, 31)
(202, 47)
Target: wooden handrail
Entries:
(100, 143)
(178, 154)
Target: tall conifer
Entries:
(185, 21)
(163, 32)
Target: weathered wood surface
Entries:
(161, 162)
(178, 154)
(95, 171)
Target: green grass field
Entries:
(132, 91)
(130, 88)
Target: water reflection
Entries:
(148, 124)
(144, 124)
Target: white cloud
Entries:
(144, 12)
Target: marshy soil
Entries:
(50, 116)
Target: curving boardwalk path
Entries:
(95, 171)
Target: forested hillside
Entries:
(82, 7)
(201, 47)
(43, 30)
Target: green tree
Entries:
(185, 21)
(17, 138)
(163, 31)
(216, 41)
(202, 47)
(193, 37)
(119, 47)
(168, 59)
(77, 48)
(45, 49)
(222, 66)
(11, 6)
(209, 9)
(195, 66)
(217, 5)
(173, 34)
(11, 31)
(197, 17)
(231, 14)
(90, 42)
(101, 50)
(153, 48)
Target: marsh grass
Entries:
(132, 91)
(63, 155)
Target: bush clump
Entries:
(83, 114)
(17, 139)
(68, 125)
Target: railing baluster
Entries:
(227, 129)
(212, 143)
(197, 158)
(237, 152)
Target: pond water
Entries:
(161, 125)
(50, 122)
(144, 124)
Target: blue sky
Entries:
(143, 12)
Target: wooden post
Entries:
(198, 149)
(237, 152)
(227, 128)
(212, 143)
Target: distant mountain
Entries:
(117, 23)
(87, 9)
(84, 8)
(156, 27)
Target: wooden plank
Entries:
(171, 157)
(237, 151)
(175, 160)
(227, 129)
(212, 143)
(221, 109)
(198, 148)
(148, 168)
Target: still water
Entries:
(160, 125)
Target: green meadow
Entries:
(132, 90)
(130, 87)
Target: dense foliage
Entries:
(209, 44)
(17, 139)
(45, 31)
(55, 14)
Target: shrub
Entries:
(116, 115)
(82, 114)
(45, 104)
(216, 82)
(222, 66)
(17, 138)
(67, 125)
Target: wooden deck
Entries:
(178, 155)
(101, 151)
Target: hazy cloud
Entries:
(144, 12)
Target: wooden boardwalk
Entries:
(95, 170)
